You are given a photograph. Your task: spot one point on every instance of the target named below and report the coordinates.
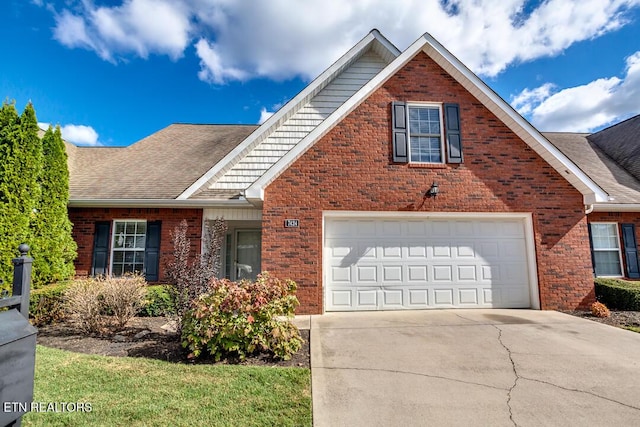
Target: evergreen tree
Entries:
(12, 226)
(53, 247)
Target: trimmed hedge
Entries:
(45, 304)
(618, 294)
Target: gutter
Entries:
(157, 203)
(617, 207)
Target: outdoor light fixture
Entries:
(434, 190)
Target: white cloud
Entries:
(238, 40)
(525, 101)
(137, 27)
(80, 135)
(587, 107)
(264, 115)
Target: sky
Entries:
(113, 72)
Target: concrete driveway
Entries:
(472, 367)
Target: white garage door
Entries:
(413, 263)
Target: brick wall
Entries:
(351, 168)
(619, 218)
(84, 220)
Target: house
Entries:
(611, 158)
(394, 180)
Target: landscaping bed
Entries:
(146, 337)
(619, 318)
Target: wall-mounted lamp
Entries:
(433, 191)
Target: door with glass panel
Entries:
(247, 254)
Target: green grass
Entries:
(143, 392)
(633, 328)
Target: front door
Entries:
(247, 259)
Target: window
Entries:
(425, 134)
(606, 249)
(128, 248)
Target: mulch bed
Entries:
(620, 319)
(145, 337)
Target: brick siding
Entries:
(351, 168)
(84, 220)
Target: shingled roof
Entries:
(158, 167)
(621, 186)
(621, 142)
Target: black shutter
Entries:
(152, 252)
(452, 128)
(399, 129)
(593, 258)
(630, 250)
(99, 265)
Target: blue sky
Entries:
(113, 72)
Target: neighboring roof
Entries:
(621, 186)
(158, 167)
(427, 44)
(621, 142)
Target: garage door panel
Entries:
(367, 273)
(467, 273)
(392, 273)
(442, 273)
(376, 264)
(468, 296)
(417, 273)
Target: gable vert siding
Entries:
(300, 124)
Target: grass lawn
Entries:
(143, 392)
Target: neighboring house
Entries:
(611, 158)
(395, 180)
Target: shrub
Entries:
(122, 297)
(158, 302)
(84, 305)
(242, 318)
(104, 303)
(190, 278)
(598, 309)
(46, 304)
(618, 294)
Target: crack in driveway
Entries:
(515, 373)
(575, 390)
(393, 371)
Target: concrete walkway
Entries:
(472, 367)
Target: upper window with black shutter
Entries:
(419, 133)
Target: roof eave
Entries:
(616, 207)
(156, 203)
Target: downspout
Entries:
(588, 209)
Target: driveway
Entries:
(472, 367)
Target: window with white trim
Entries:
(425, 134)
(606, 249)
(128, 245)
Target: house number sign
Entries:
(290, 223)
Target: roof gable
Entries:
(300, 116)
(427, 44)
